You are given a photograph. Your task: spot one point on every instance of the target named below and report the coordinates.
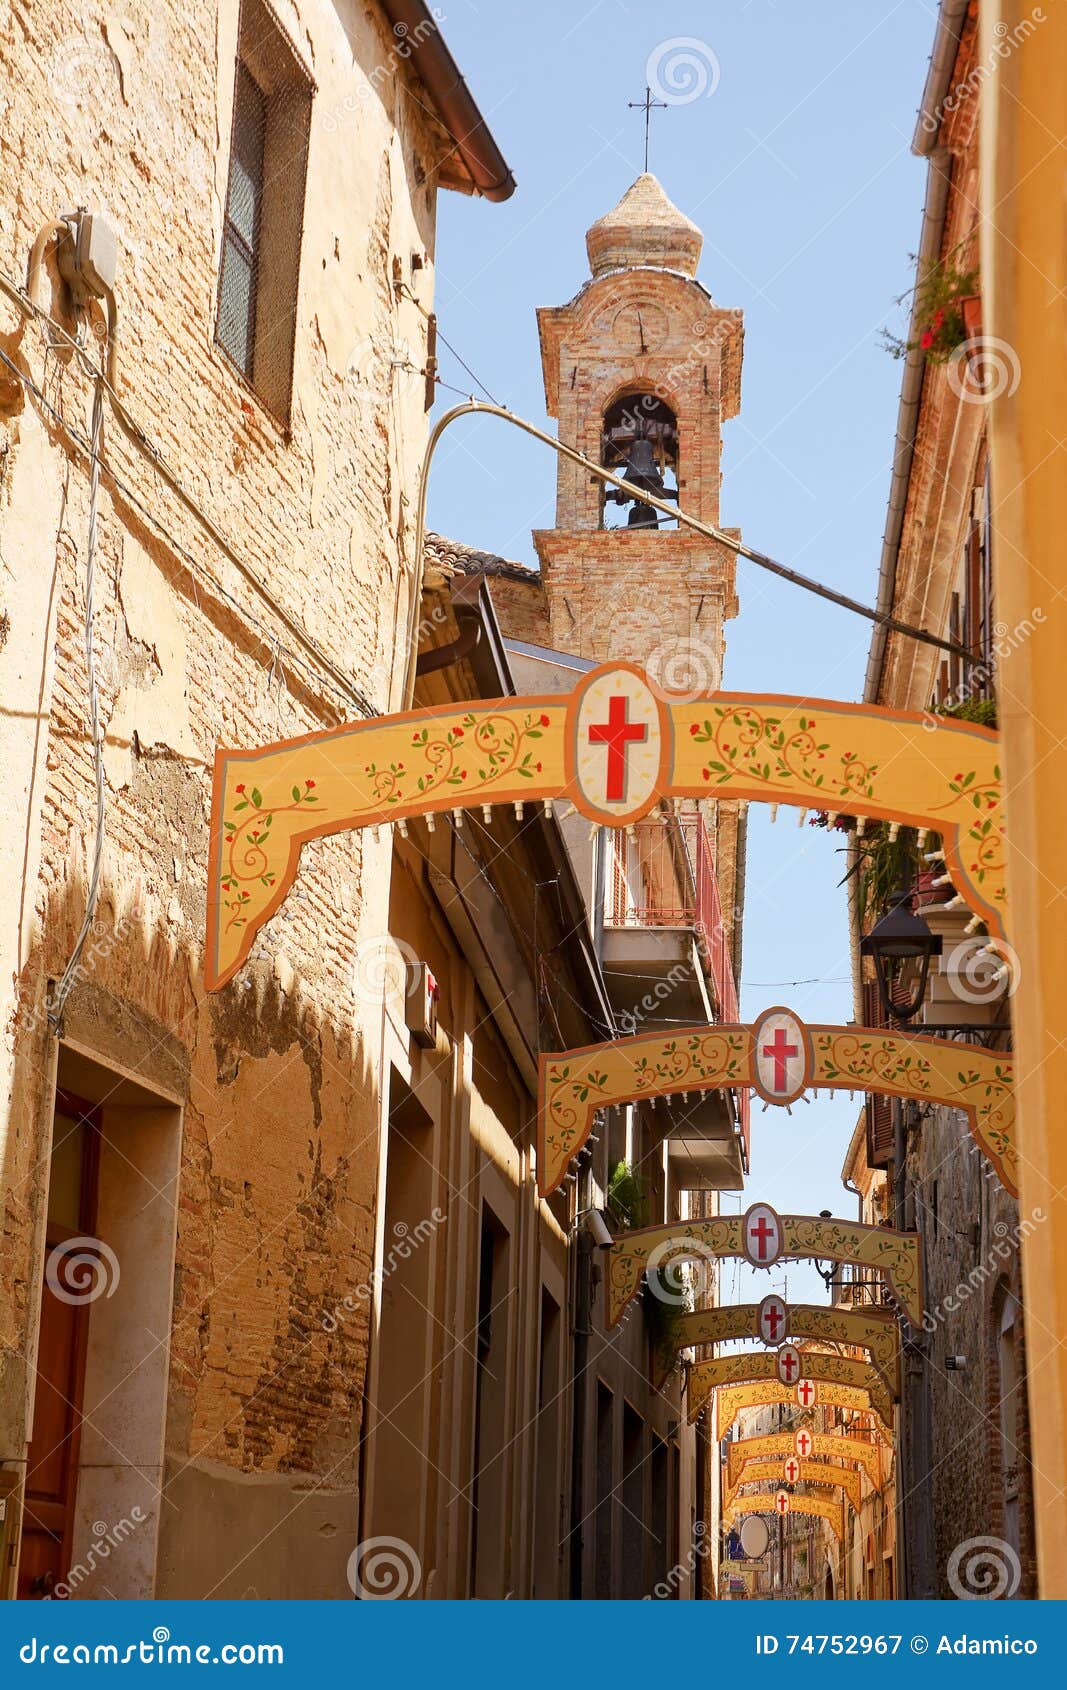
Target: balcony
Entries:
(667, 965)
(856, 1287)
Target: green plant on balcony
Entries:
(942, 301)
(627, 1197)
(665, 1303)
(982, 711)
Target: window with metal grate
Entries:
(259, 270)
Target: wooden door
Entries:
(52, 1466)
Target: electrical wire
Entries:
(70, 973)
(327, 678)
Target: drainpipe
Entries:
(582, 1331)
(950, 23)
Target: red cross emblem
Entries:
(772, 1320)
(781, 1502)
(616, 733)
(782, 1056)
(788, 1363)
(761, 1235)
(780, 1050)
(792, 1469)
(804, 1442)
(806, 1394)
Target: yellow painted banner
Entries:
(875, 1331)
(806, 1473)
(836, 1447)
(574, 1084)
(614, 748)
(708, 1376)
(834, 1512)
(652, 1248)
(731, 1400)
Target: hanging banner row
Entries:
(614, 748)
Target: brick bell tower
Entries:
(641, 369)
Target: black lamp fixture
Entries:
(826, 1274)
(901, 945)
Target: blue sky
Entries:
(798, 169)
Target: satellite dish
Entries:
(754, 1536)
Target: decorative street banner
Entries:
(763, 1393)
(824, 1510)
(784, 1444)
(793, 1471)
(614, 748)
(708, 1376)
(780, 1058)
(875, 1331)
(652, 1248)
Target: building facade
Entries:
(963, 1434)
(189, 1181)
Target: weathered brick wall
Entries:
(130, 115)
(970, 1228)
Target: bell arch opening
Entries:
(639, 440)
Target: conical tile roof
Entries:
(644, 228)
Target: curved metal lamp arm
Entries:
(472, 407)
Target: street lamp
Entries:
(901, 945)
(826, 1274)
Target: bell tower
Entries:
(640, 371)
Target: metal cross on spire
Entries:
(647, 105)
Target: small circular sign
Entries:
(781, 1502)
(804, 1443)
(754, 1536)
